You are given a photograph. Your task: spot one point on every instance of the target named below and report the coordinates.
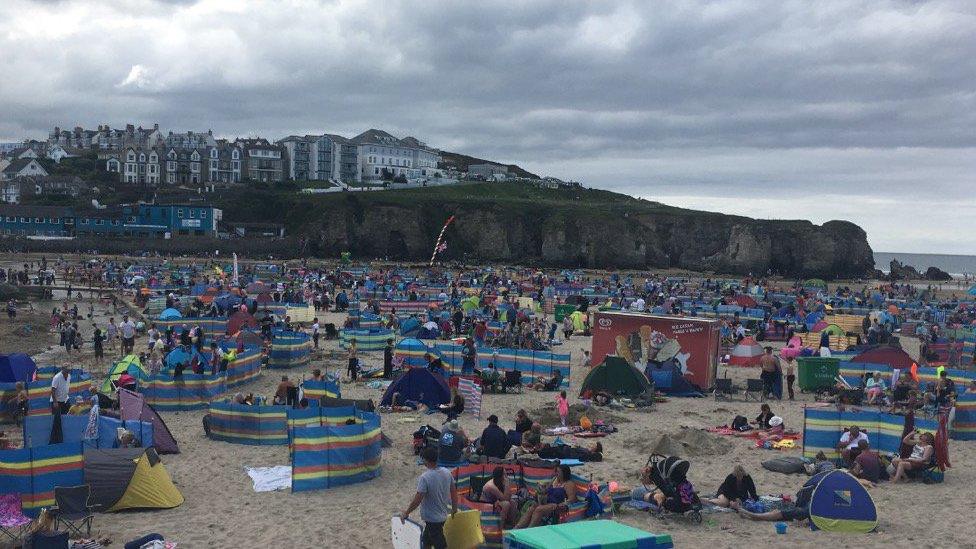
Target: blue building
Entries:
(175, 219)
(18, 220)
(140, 220)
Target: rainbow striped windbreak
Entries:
(366, 340)
(315, 390)
(270, 425)
(290, 349)
(39, 393)
(823, 427)
(35, 472)
(194, 391)
(533, 479)
(336, 455)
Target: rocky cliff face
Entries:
(625, 233)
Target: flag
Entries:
(471, 392)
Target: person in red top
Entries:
(480, 329)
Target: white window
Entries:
(84, 221)
(193, 213)
(179, 213)
(203, 214)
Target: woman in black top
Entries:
(765, 414)
(522, 422)
(737, 487)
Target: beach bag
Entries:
(740, 423)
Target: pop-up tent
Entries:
(129, 364)
(421, 385)
(617, 377)
(16, 367)
(170, 314)
(129, 478)
(884, 354)
(133, 406)
(839, 503)
(746, 353)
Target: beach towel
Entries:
(269, 479)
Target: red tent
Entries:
(746, 353)
(240, 320)
(745, 301)
(892, 356)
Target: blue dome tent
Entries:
(16, 367)
(421, 385)
(839, 503)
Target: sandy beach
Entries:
(222, 510)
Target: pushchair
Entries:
(670, 475)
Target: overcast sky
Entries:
(820, 110)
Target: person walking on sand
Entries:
(353, 364)
(562, 406)
(436, 493)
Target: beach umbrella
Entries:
(745, 301)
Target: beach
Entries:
(222, 510)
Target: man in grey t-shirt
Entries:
(436, 497)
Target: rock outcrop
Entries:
(577, 228)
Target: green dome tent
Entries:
(834, 330)
(617, 377)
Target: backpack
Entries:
(740, 423)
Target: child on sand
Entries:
(562, 406)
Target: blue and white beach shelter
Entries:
(840, 503)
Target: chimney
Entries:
(130, 128)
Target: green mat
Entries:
(591, 534)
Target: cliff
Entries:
(518, 223)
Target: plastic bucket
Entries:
(780, 527)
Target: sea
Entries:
(956, 265)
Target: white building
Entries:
(325, 157)
(382, 154)
(22, 167)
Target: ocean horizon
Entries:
(957, 265)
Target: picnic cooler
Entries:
(815, 373)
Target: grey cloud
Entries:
(733, 98)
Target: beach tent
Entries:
(249, 338)
(669, 379)
(616, 376)
(133, 406)
(170, 314)
(839, 503)
(421, 385)
(129, 364)
(884, 354)
(745, 301)
(129, 478)
(746, 353)
(240, 320)
(17, 367)
(181, 356)
(410, 327)
(834, 330)
(412, 351)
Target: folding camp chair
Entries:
(72, 508)
(755, 390)
(13, 523)
(724, 389)
(513, 378)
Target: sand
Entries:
(221, 509)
